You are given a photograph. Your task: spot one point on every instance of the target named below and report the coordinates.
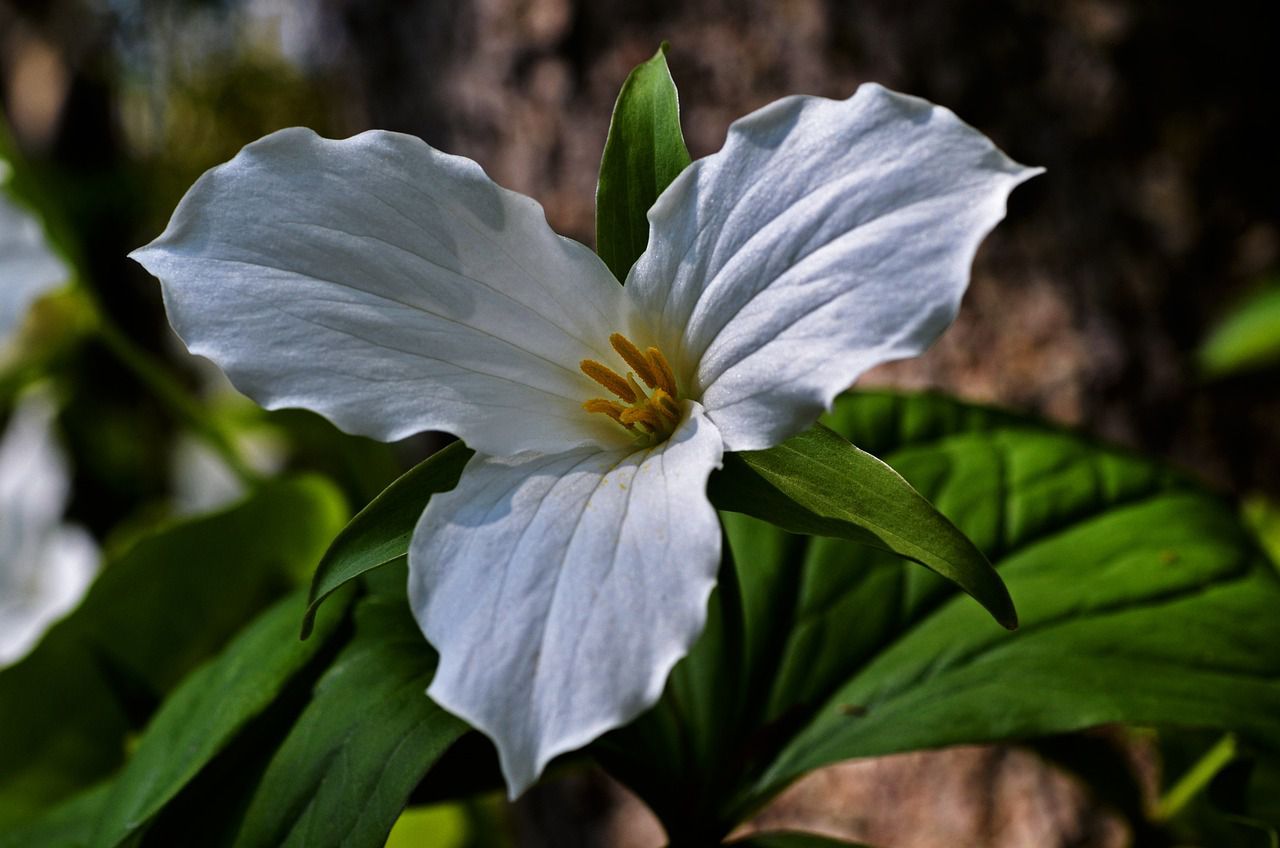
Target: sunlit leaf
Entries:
(819, 484)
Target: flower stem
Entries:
(1196, 778)
(175, 397)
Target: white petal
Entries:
(45, 567)
(34, 478)
(28, 266)
(825, 238)
(57, 579)
(560, 590)
(392, 288)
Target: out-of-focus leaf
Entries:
(158, 609)
(643, 153)
(368, 737)
(204, 714)
(438, 826)
(379, 534)
(1247, 338)
(1143, 599)
(67, 825)
(819, 484)
(1263, 515)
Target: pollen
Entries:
(648, 407)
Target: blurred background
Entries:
(1109, 301)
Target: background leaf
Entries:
(68, 824)
(1143, 599)
(157, 610)
(205, 713)
(643, 153)
(379, 534)
(366, 739)
(1249, 336)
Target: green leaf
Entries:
(643, 153)
(1143, 599)
(158, 609)
(69, 824)
(368, 737)
(819, 484)
(380, 533)
(204, 714)
(1247, 338)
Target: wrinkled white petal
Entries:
(28, 266)
(392, 288)
(560, 590)
(45, 566)
(824, 238)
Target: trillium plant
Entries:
(663, 538)
(395, 289)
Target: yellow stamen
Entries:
(666, 404)
(662, 370)
(608, 378)
(643, 415)
(635, 359)
(611, 408)
(636, 387)
(652, 414)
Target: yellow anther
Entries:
(643, 415)
(608, 378)
(662, 370)
(634, 358)
(611, 408)
(666, 404)
(650, 414)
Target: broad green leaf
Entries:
(205, 713)
(159, 608)
(366, 739)
(1247, 338)
(379, 534)
(644, 152)
(819, 484)
(1143, 599)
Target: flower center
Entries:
(652, 414)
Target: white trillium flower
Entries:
(45, 565)
(394, 289)
(28, 266)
